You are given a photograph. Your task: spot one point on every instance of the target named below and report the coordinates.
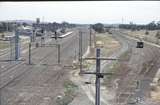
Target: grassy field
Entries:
(110, 44)
(4, 45)
(69, 93)
(155, 93)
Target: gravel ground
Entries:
(142, 66)
(41, 82)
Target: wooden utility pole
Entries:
(90, 36)
(58, 53)
(80, 49)
(17, 49)
(58, 46)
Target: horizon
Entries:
(34, 21)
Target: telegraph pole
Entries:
(17, 50)
(98, 74)
(11, 55)
(98, 63)
(94, 38)
(58, 46)
(42, 37)
(80, 50)
(58, 53)
(90, 37)
(29, 54)
(33, 35)
(42, 41)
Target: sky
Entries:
(89, 12)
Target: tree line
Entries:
(150, 26)
(99, 27)
(11, 26)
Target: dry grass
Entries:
(69, 93)
(141, 34)
(4, 45)
(117, 68)
(110, 44)
(155, 94)
(155, 87)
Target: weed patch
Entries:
(69, 93)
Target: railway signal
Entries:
(42, 31)
(33, 35)
(58, 45)
(42, 37)
(56, 36)
(140, 44)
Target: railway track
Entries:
(43, 77)
(33, 51)
(13, 70)
(145, 73)
(47, 59)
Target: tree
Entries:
(24, 24)
(158, 25)
(65, 24)
(151, 26)
(158, 34)
(99, 27)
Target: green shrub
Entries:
(146, 33)
(69, 93)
